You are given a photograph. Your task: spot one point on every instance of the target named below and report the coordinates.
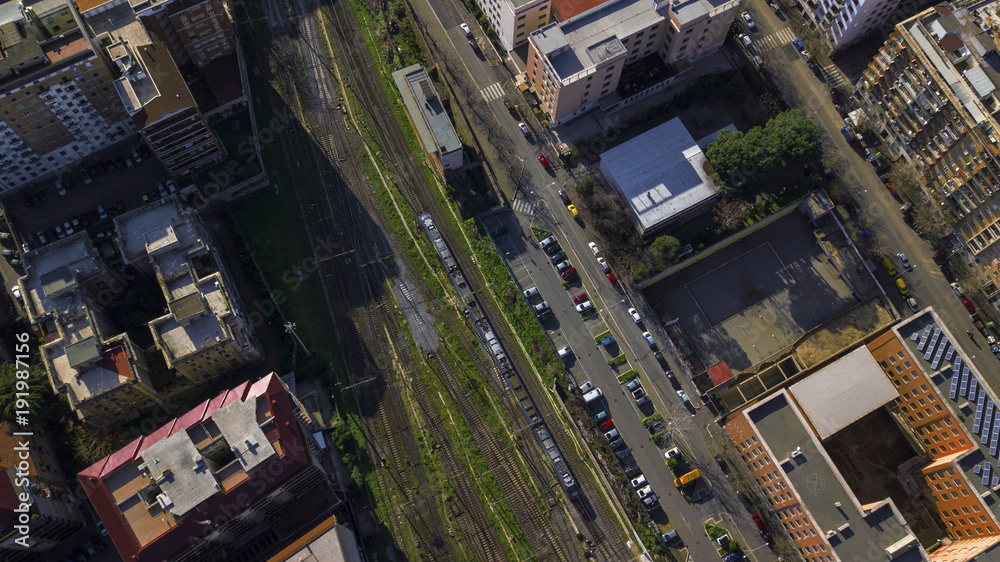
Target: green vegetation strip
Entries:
(602, 336)
(627, 375)
(615, 361)
(540, 234)
(652, 420)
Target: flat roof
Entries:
(326, 542)
(239, 426)
(83, 351)
(584, 41)
(178, 468)
(843, 392)
(694, 10)
(822, 490)
(421, 99)
(660, 172)
(18, 48)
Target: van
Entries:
(889, 268)
(901, 285)
(687, 478)
(592, 395)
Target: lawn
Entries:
(241, 163)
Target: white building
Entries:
(513, 20)
(427, 114)
(842, 22)
(661, 175)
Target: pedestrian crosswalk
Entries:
(777, 39)
(493, 91)
(835, 76)
(523, 207)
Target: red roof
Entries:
(294, 457)
(8, 499)
(719, 373)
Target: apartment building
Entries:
(49, 18)
(842, 22)
(576, 65)
(942, 407)
(151, 88)
(101, 372)
(979, 229)
(204, 332)
(57, 101)
(931, 94)
(513, 20)
(210, 484)
(50, 496)
(195, 31)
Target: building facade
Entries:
(57, 99)
(576, 65)
(931, 93)
(204, 332)
(208, 484)
(514, 20)
(842, 22)
(195, 31)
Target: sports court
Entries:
(748, 300)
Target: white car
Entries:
(649, 339)
(16, 291)
(564, 351)
(774, 7)
(528, 293)
(584, 306)
(593, 248)
(524, 128)
(586, 387)
(910, 302)
(465, 28)
(745, 39)
(759, 61)
(639, 481)
(906, 263)
(671, 453)
(644, 492)
(635, 315)
(745, 16)
(604, 264)
(547, 242)
(958, 289)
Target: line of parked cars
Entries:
(79, 222)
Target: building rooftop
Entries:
(693, 10)
(965, 392)
(326, 542)
(821, 489)
(843, 392)
(420, 97)
(153, 494)
(660, 172)
(19, 45)
(580, 43)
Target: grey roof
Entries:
(843, 392)
(980, 81)
(83, 351)
(18, 44)
(238, 423)
(187, 306)
(693, 10)
(820, 488)
(660, 173)
(10, 12)
(180, 471)
(57, 280)
(421, 99)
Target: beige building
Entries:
(49, 18)
(514, 20)
(57, 100)
(204, 332)
(576, 65)
(99, 370)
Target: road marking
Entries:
(777, 39)
(493, 91)
(835, 75)
(523, 207)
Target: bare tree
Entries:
(729, 214)
(880, 245)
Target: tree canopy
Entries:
(664, 249)
(740, 160)
(38, 387)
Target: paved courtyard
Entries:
(744, 302)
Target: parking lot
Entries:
(748, 300)
(40, 208)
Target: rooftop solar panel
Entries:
(986, 474)
(914, 336)
(993, 436)
(979, 414)
(973, 387)
(923, 338)
(976, 469)
(964, 390)
(950, 353)
(953, 393)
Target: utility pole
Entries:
(290, 329)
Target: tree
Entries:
(729, 214)
(931, 219)
(727, 154)
(792, 137)
(664, 249)
(37, 388)
(907, 179)
(585, 186)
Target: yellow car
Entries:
(573, 211)
(889, 267)
(901, 285)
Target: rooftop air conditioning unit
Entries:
(830, 533)
(165, 502)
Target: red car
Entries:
(582, 297)
(612, 278)
(968, 304)
(543, 160)
(892, 188)
(569, 273)
(758, 521)
(606, 425)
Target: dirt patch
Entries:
(841, 332)
(869, 461)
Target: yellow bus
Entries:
(687, 478)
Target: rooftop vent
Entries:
(164, 501)
(830, 533)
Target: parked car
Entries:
(903, 289)
(563, 196)
(86, 177)
(572, 210)
(530, 292)
(586, 387)
(623, 453)
(564, 351)
(593, 248)
(15, 291)
(601, 416)
(608, 341)
(745, 16)
(135, 156)
(671, 453)
(633, 384)
(635, 315)
(465, 29)
(584, 306)
(541, 307)
(60, 187)
(745, 39)
(557, 257)
(145, 197)
(612, 278)
(889, 267)
(582, 297)
(774, 7)
(611, 435)
(563, 266)
(569, 274)
(958, 289)
(642, 401)
(649, 339)
(42, 238)
(543, 160)
(524, 129)
(606, 425)
(500, 231)
(644, 492)
(722, 463)
(604, 264)
(968, 304)
(547, 242)
(639, 481)
(910, 302)
(906, 263)
(683, 396)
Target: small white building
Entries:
(434, 128)
(661, 175)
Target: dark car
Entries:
(500, 231)
(558, 257)
(722, 464)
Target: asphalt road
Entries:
(927, 284)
